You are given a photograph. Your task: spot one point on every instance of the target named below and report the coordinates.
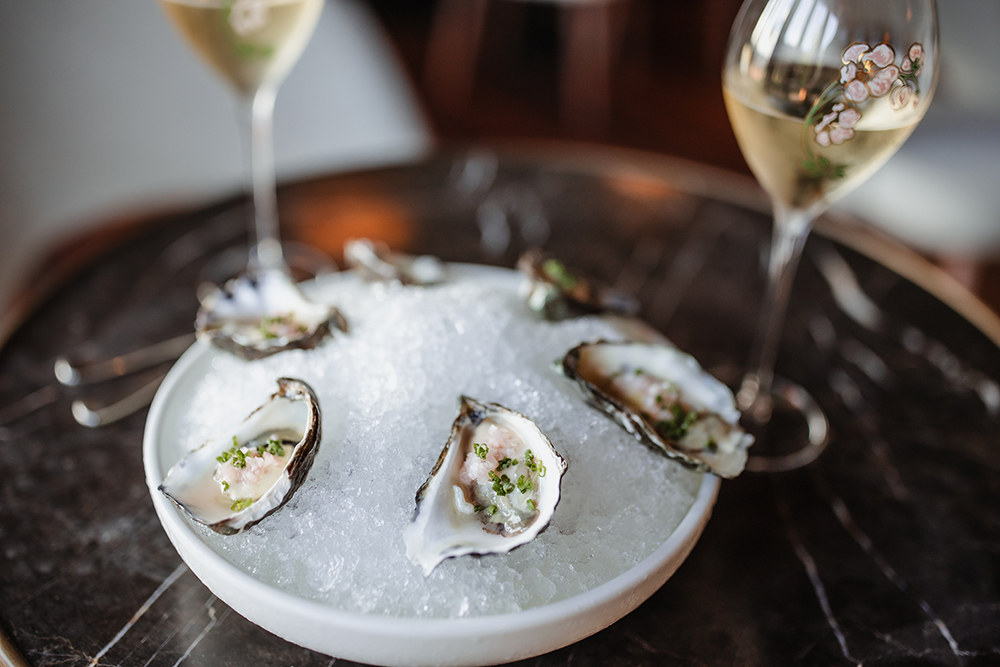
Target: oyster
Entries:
(556, 293)
(494, 487)
(664, 398)
(232, 482)
(260, 313)
(373, 261)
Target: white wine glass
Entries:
(820, 93)
(252, 45)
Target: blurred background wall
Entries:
(663, 60)
(104, 113)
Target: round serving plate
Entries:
(389, 640)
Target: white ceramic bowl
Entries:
(388, 640)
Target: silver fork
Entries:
(93, 417)
(73, 374)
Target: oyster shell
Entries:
(260, 313)
(664, 398)
(232, 482)
(494, 487)
(554, 292)
(373, 261)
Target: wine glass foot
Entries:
(791, 430)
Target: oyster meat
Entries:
(494, 487)
(373, 261)
(555, 292)
(664, 398)
(234, 481)
(263, 312)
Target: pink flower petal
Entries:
(916, 52)
(849, 118)
(882, 55)
(827, 119)
(856, 91)
(848, 72)
(839, 135)
(839, 106)
(906, 65)
(823, 138)
(899, 97)
(880, 84)
(854, 52)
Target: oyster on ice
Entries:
(664, 398)
(232, 482)
(373, 261)
(494, 487)
(260, 313)
(555, 292)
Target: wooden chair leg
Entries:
(452, 53)
(591, 38)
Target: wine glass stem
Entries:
(259, 108)
(791, 228)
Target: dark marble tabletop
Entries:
(885, 551)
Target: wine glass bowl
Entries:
(817, 96)
(820, 93)
(251, 44)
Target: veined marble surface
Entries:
(882, 552)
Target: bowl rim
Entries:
(234, 586)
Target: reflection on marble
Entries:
(885, 551)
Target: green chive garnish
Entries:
(678, 424)
(501, 484)
(275, 447)
(241, 504)
(559, 274)
(534, 464)
(524, 484)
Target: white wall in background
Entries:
(104, 110)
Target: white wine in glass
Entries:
(772, 144)
(252, 44)
(248, 44)
(820, 93)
